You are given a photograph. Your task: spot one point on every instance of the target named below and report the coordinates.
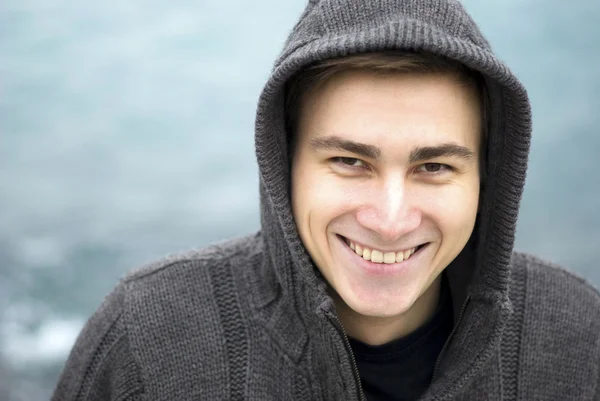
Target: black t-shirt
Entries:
(401, 370)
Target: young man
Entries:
(392, 146)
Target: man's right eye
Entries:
(349, 161)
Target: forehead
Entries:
(392, 108)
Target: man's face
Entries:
(384, 164)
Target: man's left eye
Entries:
(435, 167)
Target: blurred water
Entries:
(126, 132)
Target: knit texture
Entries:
(251, 318)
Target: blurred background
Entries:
(126, 132)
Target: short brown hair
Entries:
(393, 61)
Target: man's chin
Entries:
(376, 306)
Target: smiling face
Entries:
(386, 166)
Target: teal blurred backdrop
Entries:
(126, 132)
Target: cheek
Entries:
(318, 192)
(454, 208)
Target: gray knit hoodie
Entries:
(250, 319)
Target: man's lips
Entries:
(378, 268)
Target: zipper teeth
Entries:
(352, 358)
(444, 348)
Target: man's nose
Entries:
(389, 211)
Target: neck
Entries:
(377, 330)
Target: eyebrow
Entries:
(418, 154)
(337, 143)
(443, 150)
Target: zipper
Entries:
(353, 359)
(361, 395)
(445, 347)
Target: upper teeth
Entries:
(381, 257)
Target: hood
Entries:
(334, 28)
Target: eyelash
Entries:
(443, 166)
(340, 161)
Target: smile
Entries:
(377, 256)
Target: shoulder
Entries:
(185, 284)
(548, 283)
(191, 275)
(556, 320)
(212, 256)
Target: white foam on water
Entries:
(49, 343)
